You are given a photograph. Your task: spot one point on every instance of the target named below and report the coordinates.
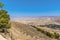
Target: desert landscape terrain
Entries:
(35, 29)
(22, 30)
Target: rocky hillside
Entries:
(25, 32)
(22, 30)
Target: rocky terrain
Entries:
(22, 30)
(25, 32)
(2, 38)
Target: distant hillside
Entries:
(39, 20)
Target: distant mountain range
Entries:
(39, 20)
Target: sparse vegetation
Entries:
(50, 34)
(51, 26)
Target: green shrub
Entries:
(56, 35)
(4, 20)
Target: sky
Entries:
(32, 8)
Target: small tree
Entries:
(4, 20)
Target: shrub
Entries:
(4, 19)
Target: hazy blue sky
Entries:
(32, 7)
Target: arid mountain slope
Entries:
(26, 32)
